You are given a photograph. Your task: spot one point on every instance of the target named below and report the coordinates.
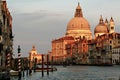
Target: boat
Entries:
(14, 73)
(45, 69)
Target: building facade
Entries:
(116, 55)
(78, 46)
(76, 27)
(100, 50)
(58, 48)
(77, 51)
(6, 37)
(34, 57)
(105, 39)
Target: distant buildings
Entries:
(34, 57)
(116, 55)
(6, 36)
(77, 51)
(78, 46)
(100, 49)
(105, 39)
(78, 27)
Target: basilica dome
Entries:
(78, 26)
(78, 23)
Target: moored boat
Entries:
(13, 73)
(46, 69)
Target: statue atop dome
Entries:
(78, 12)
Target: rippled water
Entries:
(78, 73)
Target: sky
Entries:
(38, 22)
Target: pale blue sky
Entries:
(38, 22)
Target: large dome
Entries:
(78, 23)
(78, 26)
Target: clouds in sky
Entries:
(37, 22)
(37, 28)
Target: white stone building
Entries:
(116, 55)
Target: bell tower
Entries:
(111, 26)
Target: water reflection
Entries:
(78, 73)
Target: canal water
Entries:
(77, 73)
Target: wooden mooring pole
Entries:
(47, 64)
(19, 62)
(52, 63)
(42, 65)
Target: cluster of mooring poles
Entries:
(43, 69)
(47, 63)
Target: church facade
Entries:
(76, 45)
(77, 27)
(34, 57)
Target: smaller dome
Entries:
(101, 28)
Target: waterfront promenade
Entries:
(77, 73)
